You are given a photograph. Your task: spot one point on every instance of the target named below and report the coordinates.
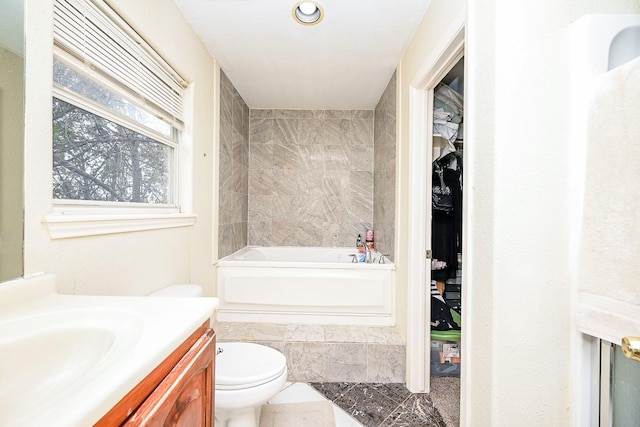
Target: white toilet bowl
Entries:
(247, 374)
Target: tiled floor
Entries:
(367, 405)
(301, 392)
(382, 405)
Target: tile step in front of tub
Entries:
(327, 353)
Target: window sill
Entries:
(66, 226)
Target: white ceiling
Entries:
(344, 62)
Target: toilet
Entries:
(247, 374)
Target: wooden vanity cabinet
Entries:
(179, 392)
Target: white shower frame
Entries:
(421, 89)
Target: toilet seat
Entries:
(245, 365)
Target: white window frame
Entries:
(76, 218)
(62, 93)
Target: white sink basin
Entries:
(66, 360)
(44, 357)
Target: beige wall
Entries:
(11, 164)
(517, 360)
(138, 262)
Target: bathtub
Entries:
(304, 285)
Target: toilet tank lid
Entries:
(186, 290)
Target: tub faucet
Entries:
(368, 258)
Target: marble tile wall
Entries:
(234, 169)
(384, 180)
(305, 177)
(310, 176)
(327, 352)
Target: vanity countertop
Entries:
(66, 360)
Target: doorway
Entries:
(444, 230)
(419, 266)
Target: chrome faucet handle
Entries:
(381, 260)
(354, 258)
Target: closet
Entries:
(446, 223)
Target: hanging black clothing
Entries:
(446, 222)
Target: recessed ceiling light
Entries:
(307, 12)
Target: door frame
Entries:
(421, 89)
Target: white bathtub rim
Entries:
(232, 261)
(306, 292)
(300, 318)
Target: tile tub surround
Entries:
(327, 353)
(310, 176)
(384, 177)
(305, 177)
(233, 169)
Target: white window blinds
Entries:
(100, 39)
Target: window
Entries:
(116, 110)
(111, 155)
(117, 116)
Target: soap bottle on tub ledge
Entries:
(369, 240)
(360, 248)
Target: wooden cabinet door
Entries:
(185, 398)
